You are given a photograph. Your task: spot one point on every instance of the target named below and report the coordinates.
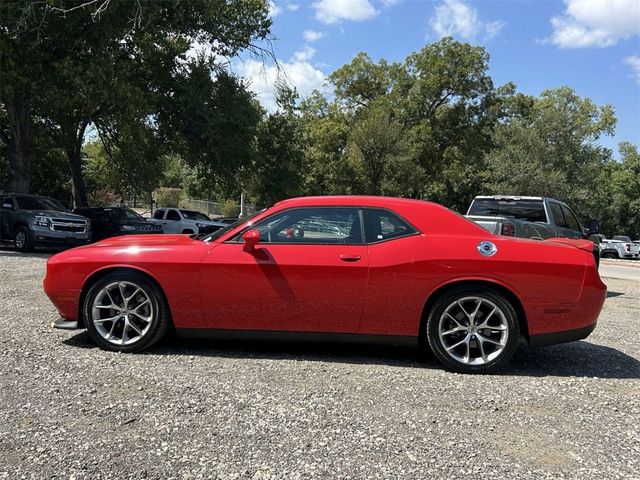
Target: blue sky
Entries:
(590, 45)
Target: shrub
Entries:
(229, 208)
(168, 197)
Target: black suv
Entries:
(30, 221)
(114, 221)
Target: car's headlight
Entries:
(127, 228)
(202, 225)
(41, 221)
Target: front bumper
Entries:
(64, 324)
(51, 238)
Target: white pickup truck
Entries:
(178, 220)
(616, 248)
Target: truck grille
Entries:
(65, 225)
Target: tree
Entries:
(106, 57)
(277, 171)
(551, 150)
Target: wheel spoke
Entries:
(121, 288)
(454, 319)
(128, 299)
(481, 348)
(456, 345)
(100, 321)
(133, 326)
(463, 310)
(144, 319)
(454, 330)
(108, 307)
(482, 338)
(487, 318)
(133, 310)
(475, 312)
(125, 333)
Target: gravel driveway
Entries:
(190, 409)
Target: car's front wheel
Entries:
(22, 239)
(126, 312)
(473, 330)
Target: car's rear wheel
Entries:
(126, 312)
(22, 239)
(473, 330)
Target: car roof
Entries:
(351, 201)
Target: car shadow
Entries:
(12, 252)
(576, 359)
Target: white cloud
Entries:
(293, 6)
(312, 35)
(595, 23)
(304, 54)
(274, 9)
(633, 61)
(459, 19)
(390, 3)
(263, 78)
(334, 11)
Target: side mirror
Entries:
(593, 227)
(250, 239)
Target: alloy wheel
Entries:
(473, 330)
(122, 312)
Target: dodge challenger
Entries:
(341, 268)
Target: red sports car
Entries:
(346, 267)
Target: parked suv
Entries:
(109, 222)
(30, 221)
(178, 220)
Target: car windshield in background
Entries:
(124, 214)
(191, 215)
(531, 210)
(39, 203)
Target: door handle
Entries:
(349, 258)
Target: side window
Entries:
(570, 218)
(558, 217)
(7, 203)
(173, 215)
(323, 225)
(382, 225)
(158, 214)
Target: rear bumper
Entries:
(561, 337)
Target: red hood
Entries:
(586, 245)
(143, 241)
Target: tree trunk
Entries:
(74, 154)
(18, 141)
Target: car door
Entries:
(563, 224)
(172, 223)
(313, 281)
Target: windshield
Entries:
(39, 203)
(218, 233)
(191, 215)
(531, 210)
(124, 214)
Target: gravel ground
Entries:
(195, 409)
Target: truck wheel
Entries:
(609, 255)
(22, 240)
(187, 232)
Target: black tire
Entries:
(159, 312)
(22, 240)
(506, 316)
(188, 232)
(610, 255)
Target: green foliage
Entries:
(168, 197)
(228, 208)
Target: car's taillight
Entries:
(508, 230)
